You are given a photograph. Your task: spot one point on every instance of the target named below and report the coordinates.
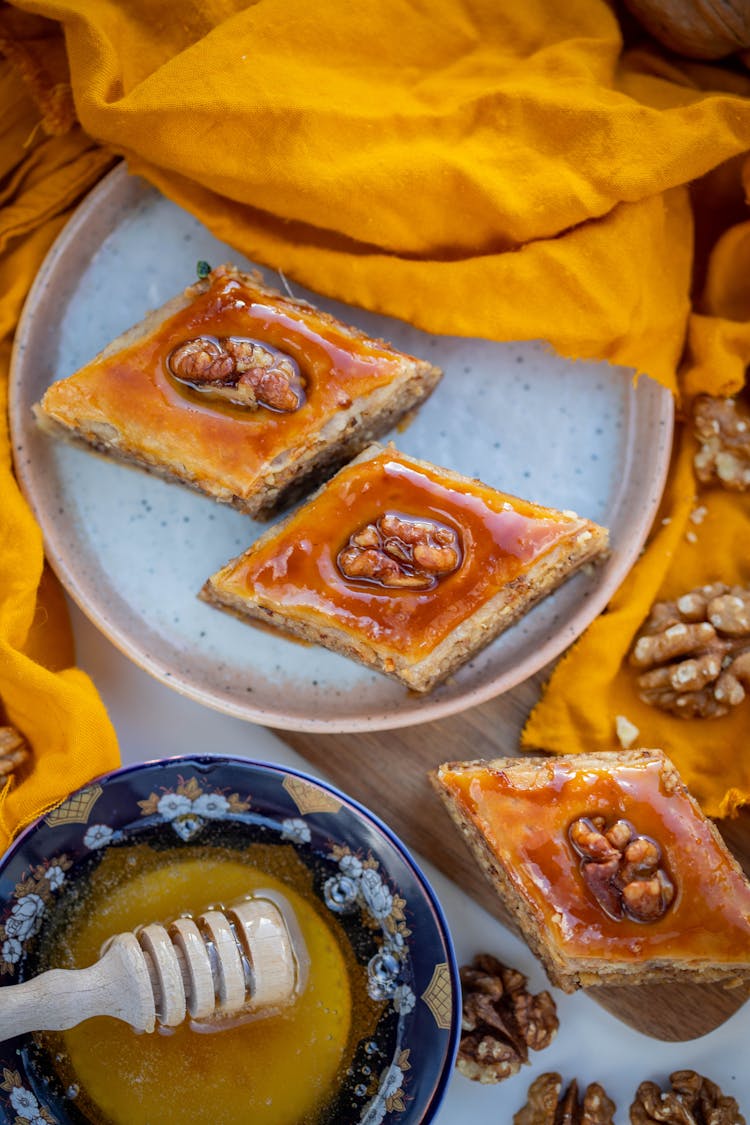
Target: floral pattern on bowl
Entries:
(362, 874)
(23, 915)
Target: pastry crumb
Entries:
(626, 731)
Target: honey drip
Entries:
(497, 539)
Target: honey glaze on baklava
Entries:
(396, 560)
(238, 391)
(384, 592)
(607, 864)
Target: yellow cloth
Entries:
(481, 168)
(593, 683)
(53, 704)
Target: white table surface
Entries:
(153, 721)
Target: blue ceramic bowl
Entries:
(362, 872)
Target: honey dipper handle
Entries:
(117, 985)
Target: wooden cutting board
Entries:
(365, 766)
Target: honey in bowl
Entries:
(284, 1068)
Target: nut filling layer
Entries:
(401, 552)
(240, 371)
(622, 870)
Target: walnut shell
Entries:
(698, 29)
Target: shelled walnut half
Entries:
(501, 1020)
(722, 426)
(14, 750)
(693, 1100)
(693, 654)
(623, 871)
(243, 372)
(401, 553)
(547, 1106)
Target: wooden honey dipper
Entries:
(248, 958)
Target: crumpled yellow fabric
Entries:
(477, 167)
(42, 694)
(481, 168)
(593, 683)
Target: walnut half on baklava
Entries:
(238, 391)
(404, 566)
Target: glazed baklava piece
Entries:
(406, 567)
(607, 865)
(238, 391)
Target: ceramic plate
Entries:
(133, 551)
(359, 870)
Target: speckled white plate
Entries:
(133, 550)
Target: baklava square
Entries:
(607, 865)
(406, 567)
(238, 391)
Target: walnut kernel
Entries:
(401, 553)
(622, 870)
(501, 1021)
(693, 1100)
(693, 654)
(722, 426)
(547, 1106)
(244, 372)
(14, 750)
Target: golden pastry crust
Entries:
(404, 567)
(516, 815)
(135, 403)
